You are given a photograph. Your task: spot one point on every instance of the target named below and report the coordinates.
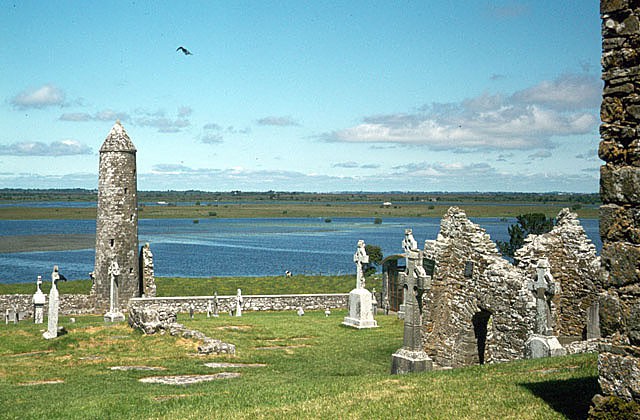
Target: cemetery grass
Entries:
(315, 368)
(182, 286)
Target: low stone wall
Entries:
(70, 304)
(250, 302)
(75, 304)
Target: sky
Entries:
(318, 96)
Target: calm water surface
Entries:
(236, 247)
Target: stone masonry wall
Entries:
(117, 218)
(619, 364)
(72, 304)
(250, 302)
(478, 309)
(575, 267)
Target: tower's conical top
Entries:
(117, 140)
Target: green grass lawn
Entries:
(180, 286)
(315, 368)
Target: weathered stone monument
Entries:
(542, 343)
(114, 314)
(39, 300)
(117, 219)
(239, 301)
(412, 357)
(54, 305)
(146, 271)
(619, 362)
(360, 301)
(216, 304)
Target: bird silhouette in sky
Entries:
(184, 50)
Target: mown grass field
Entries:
(315, 368)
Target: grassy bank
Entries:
(275, 210)
(180, 286)
(314, 368)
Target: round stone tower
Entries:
(117, 220)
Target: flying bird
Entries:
(184, 50)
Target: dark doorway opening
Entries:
(480, 323)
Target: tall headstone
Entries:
(360, 299)
(239, 301)
(117, 219)
(54, 305)
(216, 305)
(542, 343)
(619, 363)
(411, 357)
(114, 314)
(39, 300)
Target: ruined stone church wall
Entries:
(464, 303)
(575, 267)
(619, 364)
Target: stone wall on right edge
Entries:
(619, 362)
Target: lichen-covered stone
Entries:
(574, 265)
(117, 219)
(619, 184)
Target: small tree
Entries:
(375, 259)
(530, 223)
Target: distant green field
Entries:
(325, 210)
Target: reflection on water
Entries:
(236, 247)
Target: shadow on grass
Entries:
(569, 397)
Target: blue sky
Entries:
(305, 96)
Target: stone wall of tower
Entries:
(619, 363)
(117, 219)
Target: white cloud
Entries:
(285, 121)
(105, 115)
(540, 154)
(528, 119)
(41, 97)
(56, 148)
(160, 121)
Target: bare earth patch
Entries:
(125, 368)
(233, 365)
(188, 379)
(47, 382)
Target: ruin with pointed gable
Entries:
(481, 308)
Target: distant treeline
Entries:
(78, 194)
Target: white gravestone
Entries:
(360, 301)
(39, 300)
(54, 305)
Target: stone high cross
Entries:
(544, 288)
(114, 272)
(412, 357)
(360, 258)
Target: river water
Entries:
(236, 247)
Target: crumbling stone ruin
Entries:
(482, 309)
(574, 266)
(163, 319)
(619, 362)
(117, 219)
(146, 272)
(479, 309)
